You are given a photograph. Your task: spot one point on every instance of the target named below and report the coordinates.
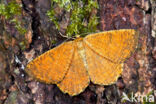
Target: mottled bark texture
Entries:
(139, 75)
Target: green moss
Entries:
(9, 12)
(12, 98)
(53, 41)
(52, 17)
(18, 26)
(148, 99)
(82, 20)
(22, 45)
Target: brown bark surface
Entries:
(139, 75)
